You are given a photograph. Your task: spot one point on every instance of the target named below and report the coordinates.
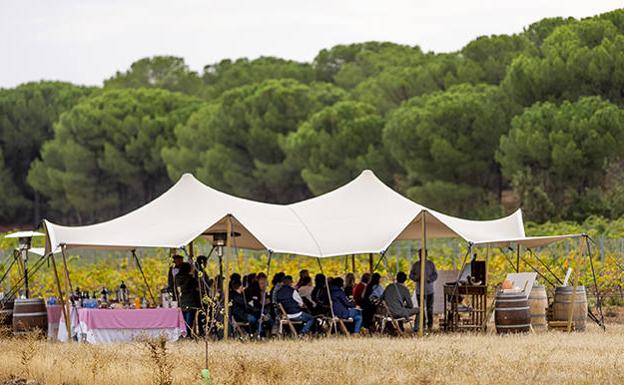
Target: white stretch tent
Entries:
(363, 216)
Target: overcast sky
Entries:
(86, 41)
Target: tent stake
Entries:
(423, 262)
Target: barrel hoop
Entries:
(15, 315)
(538, 315)
(512, 308)
(513, 326)
(568, 302)
(510, 301)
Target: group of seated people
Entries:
(257, 308)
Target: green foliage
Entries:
(27, 114)
(577, 59)
(105, 155)
(277, 130)
(166, 72)
(227, 75)
(557, 155)
(240, 153)
(337, 143)
(450, 137)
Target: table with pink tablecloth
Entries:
(116, 325)
(54, 317)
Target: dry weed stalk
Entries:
(29, 347)
(159, 357)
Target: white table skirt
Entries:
(100, 336)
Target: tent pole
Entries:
(263, 294)
(331, 303)
(353, 263)
(226, 281)
(518, 258)
(370, 263)
(149, 289)
(423, 261)
(60, 293)
(575, 282)
(69, 285)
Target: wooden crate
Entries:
(559, 325)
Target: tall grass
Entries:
(593, 357)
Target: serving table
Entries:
(97, 326)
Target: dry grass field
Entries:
(593, 357)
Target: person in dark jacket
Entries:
(398, 298)
(370, 300)
(320, 296)
(342, 306)
(290, 299)
(188, 295)
(240, 309)
(431, 275)
(171, 274)
(254, 296)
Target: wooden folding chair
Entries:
(240, 329)
(284, 320)
(384, 316)
(341, 325)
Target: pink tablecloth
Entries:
(54, 313)
(54, 317)
(131, 318)
(117, 325)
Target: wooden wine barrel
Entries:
(29, 315)
(6, 313)
(538, 303)
(512, 313)
(563, 302)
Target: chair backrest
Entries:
(283, 313)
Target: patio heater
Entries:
(24, 240)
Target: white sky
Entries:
(86, 41)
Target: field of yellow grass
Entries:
(593, 357)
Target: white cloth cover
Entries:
(363, 216)
(102, 336)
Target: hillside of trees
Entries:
(534, 119)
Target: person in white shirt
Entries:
(293, 304)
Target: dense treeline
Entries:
(533, 119)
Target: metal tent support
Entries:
(149, 289)
(331, 303)
(598, 297)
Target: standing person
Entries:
(171, 275)
(290, 299)
(358, 290)
(398, 298)
(188, 294)
(349, 284)
(302, 274)
(431, 275)
(342, 306)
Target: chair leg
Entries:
(292, 329)
(343, 327)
